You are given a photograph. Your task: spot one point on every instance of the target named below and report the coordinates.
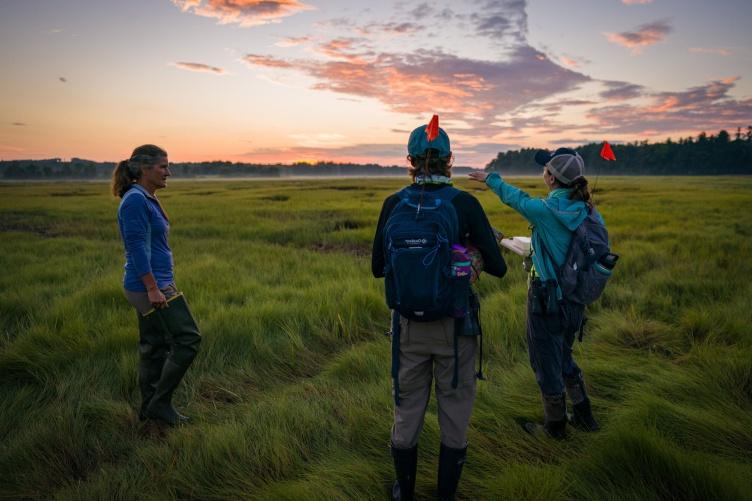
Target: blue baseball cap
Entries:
(419, 143)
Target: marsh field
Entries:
(290, 394)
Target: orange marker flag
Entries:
(432, 131)
(606, 152)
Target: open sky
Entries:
(306, 80)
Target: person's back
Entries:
(424, 350)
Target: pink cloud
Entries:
(199, 67)
(621, 91)
(424, 81)
(292, 41)
(243, 12)
(705, 107)
(266, 61)
(644, 36)
(569, 62)
(636, 2)
(715, 51)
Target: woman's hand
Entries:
(157, 299)
(479, 176)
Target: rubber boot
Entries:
(153, 351)
(451, 461)
(405, 468)
(555, 422)
(160, 406)
(582, 416)
(149, 372)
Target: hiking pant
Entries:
(549, 342)
(426, 355)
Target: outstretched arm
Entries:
(530, 208)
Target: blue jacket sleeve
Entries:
(532, 209)
(136, 229)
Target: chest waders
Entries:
(169, 341)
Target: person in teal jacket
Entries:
(551, 322)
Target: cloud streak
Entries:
(243, 12)
(643, 36)
(720, 51)
(705, 107)
(199, 67)
(416, 83)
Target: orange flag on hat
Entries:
(432, 131)
(606, 152)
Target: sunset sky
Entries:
(282, 81)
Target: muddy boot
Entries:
(582, 416)
(405, 467)
(451, 461)
(555, 422)
(160, 406)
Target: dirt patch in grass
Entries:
(217, 393)
(73, 194)
(348, 188)
(354, 249)
(202, 193)
(27, 222)
(276, 198)
(347, 224)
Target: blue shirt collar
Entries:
(143, 190)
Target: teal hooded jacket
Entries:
(554, 220)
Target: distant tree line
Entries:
(705, 155)
(79, 168)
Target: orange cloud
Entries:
(199, 67)
(569, 62)
(644, 36)
(266, 61)
(243, 12)
(461, 89)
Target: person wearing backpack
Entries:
(555, 316)
(421, 229)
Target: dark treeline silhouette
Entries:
(705, 155)
(78, 168)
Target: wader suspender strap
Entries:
(395, 354)
(458, 326)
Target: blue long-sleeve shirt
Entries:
(144, 228)
(554, 220)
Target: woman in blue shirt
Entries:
(168, 336)
(552, 324)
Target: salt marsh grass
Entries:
(291, 393)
